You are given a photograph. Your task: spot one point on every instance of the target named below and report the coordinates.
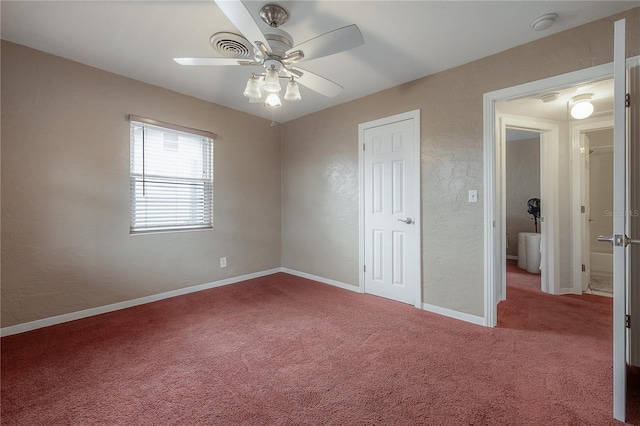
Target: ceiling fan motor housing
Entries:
(279, 41)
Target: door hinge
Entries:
(582, 209)
(584, 268)
(364, 147)
(627, 321)
(365, 268)
(627, 100)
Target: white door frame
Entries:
(493, 250)
(550, 214)
(417, 248)
(620, 223)
(577, 164)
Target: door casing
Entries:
(493, 216)
(549, 220)
(417, 248)
(578, 243)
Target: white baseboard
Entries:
(321, 280)
(474, 319)
(59, 319)
(72, 316)
(512, 257)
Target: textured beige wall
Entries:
(320, 151)
(523, 183)
(65, 191)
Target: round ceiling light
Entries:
(544, 22)
(582, 107)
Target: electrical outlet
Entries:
(223, 262)
(473, 196)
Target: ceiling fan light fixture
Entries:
(252, 91)
(272, 81)
(273, 100)
(293, 91)
(582, 107)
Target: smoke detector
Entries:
(544, 22)
(550, 97)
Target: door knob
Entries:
(408, 220)
(628, 241)
(604, 239)
(618, 240)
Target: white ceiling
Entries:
(558, 110)
(403, 40)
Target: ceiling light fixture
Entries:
(275, 51)
(268, 84)
(582, 106)
(273, 100)
(544, 22)
(272, 81)
(252, 91)
(293, 91)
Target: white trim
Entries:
(575, 129)
(549, 151)
(491, 256)
(620, 197)
(417, 197)
(322, 280)
(512, 257)
(492, 259)
(462, 316)
(474, 319)
(59, 319)
(72, 316)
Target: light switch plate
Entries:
(473, 195)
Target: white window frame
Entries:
(166, 219)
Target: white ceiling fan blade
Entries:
(244, 22)
(335, 41)
(317, 83)
(211, 61)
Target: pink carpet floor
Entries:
(281, 350)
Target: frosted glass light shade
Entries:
(272, 81)
(293, 92)
(273, 100)
(252, 91)
(582, 109)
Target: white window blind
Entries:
(171, 182)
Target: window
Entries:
(171, 182)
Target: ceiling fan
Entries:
(275, 52)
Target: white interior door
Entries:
(619, 239)
(634, 209)
(586, 216)
(391, 211)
